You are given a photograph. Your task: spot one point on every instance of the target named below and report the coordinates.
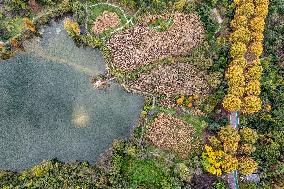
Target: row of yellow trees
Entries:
(229, 150)
(244, 72)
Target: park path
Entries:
(233, 177)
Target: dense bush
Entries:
(236, 90)
(79, 12)
(257, 24)
(234, 71)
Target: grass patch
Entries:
(166, 110)
(148, 173)
(198, 123)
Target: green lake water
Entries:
(49, 109)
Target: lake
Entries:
(49, 108)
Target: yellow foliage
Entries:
(230, 163)
(247, 149)
(256, 48)
(251, 104)
(215, 142)
(257, 24)
(71, 27)
(232, 103)
(230, 138)
(180, 100)
(257, 36)
(240, 35)
(268, 107)
(223, 157)
(237, 81)
(228, 133)
(14, 42)
(41, 169)
(239, 21)
(242, 62)
(230, 147)
(28, 24)
(246, 9)
(234, 71)
(248, 135)
(261, 2)
(247, 165)
(213, 160)
(238, 50)
(254, 72)
(239, 2)
(236, 90)
(179, 5)
(261, 10)
(253, 88)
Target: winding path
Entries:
(129, 21)
(233, 177)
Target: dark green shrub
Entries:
(79, 12)
(248, 185)
(204, 11)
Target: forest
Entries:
(211, 73)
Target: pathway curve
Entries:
(233, 177)
(129, 21)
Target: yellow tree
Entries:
(230, 139)
(28, 24)
(238, 49)
(71, 27)
(232, 103)
(247, 165)
(253, 88)
(251, 104)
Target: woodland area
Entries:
(196, 63)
